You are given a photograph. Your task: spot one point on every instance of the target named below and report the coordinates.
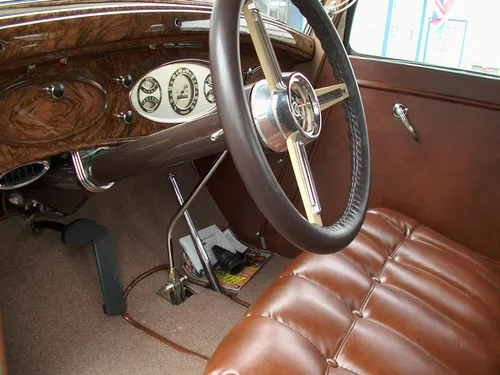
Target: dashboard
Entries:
(78, 75)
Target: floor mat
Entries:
(199, 324)
(51, 297)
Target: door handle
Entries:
(400, 111)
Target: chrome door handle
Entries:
(400, 111)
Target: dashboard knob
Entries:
(126, 81)
(55, 90)
(126, 117)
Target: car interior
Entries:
(249, 187)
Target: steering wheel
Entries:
(283, 112)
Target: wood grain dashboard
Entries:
(86, 46)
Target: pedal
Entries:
(79, 233)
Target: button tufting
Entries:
(442, 338)
(332, 363)
(359, 314)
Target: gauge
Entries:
(183, 91)
(149, 85)
(208, 90)
(150, 103)
(149, 94)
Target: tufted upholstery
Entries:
(401, 299)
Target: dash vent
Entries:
(23, 175)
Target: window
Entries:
(282, 10)
(458, 34)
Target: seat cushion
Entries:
(401, 299)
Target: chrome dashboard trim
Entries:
(84, 175)
(277, 30)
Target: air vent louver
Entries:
(23, 175)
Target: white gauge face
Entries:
(149, 94)
(208, 89)
(171, 94)
(183, 91)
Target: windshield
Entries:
(282, 10)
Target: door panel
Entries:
(449, 181)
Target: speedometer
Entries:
(174, 93)
(183, 91)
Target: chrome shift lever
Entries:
(175, 289)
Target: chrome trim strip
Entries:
(284, 33)
(85, 177)
(308, 178)
(263, 47)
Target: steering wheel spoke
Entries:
(305, 181)
(283, 112)
(263, 47)
(331, 95)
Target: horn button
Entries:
(279, 114)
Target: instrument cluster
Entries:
(175, 92)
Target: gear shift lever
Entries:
(175, 289)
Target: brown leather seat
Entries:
(401, 299)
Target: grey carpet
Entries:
(51, 298)
(200, 323)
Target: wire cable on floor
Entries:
(147, 330)
(152, 333)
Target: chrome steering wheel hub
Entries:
(278, 114)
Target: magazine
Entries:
(256, 259)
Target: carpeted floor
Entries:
(51, 297)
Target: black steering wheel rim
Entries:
(246, 149)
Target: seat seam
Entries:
(447, 318)
(370, 238)
(376, 213)
(384, 266)
(355, 264)
(367, 298)
(344, 340)
(349, 369)
(411, 343)
(318, 286)
(472, 297)
(396, 249)
(290, 328)
(467, 259)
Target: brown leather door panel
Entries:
(450, 180)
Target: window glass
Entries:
(459, 34)
(282, 10)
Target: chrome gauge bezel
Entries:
(186, 72)
(154, 94)
(208, 90)
(164, 113)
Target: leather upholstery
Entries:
(401, 299)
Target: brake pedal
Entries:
(79, 233)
